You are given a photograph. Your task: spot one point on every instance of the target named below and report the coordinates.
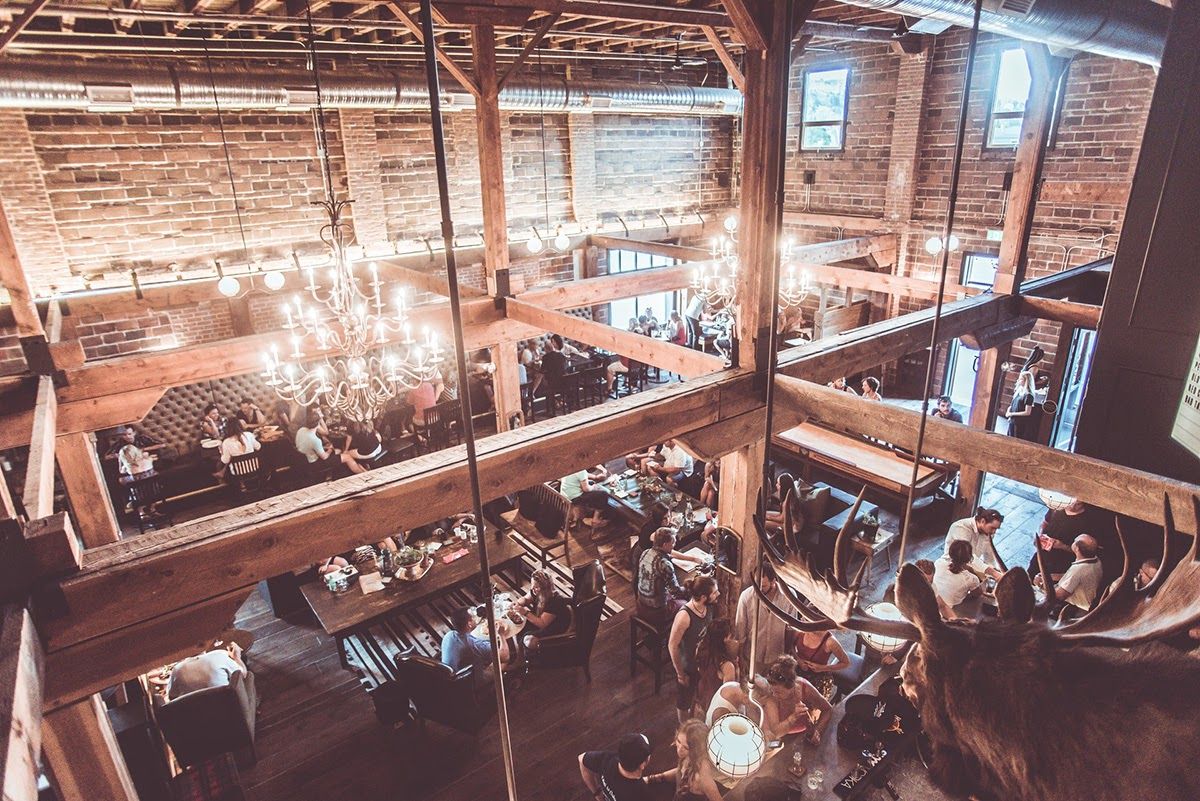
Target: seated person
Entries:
(1057, 534)
(710, 492)
(422, 397)
(675, 465)
(251, 416)
(793, 705)
(361, 448)
(784, 484)
(1078, 588)
(580, 489)
(841, 385)
(462, 647)
(659, 594)
(571, 352)
(616, 366)
(238, 441)
(214, 668)
(133, 460)
(945, 410)
(676, 325)
(554, 364)
(637, 461)
(212, 424)
(870, 388)
(731, 697)
(928, 570)
(285, 416)
(695, 778)
(818, 656)
(954, 578)
(980, 531)
(546, 612)
(312, 438)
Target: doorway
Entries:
(962, 363)
(1075, 379)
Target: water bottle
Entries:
(687, 515)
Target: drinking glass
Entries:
(798, 762)
(815, 778)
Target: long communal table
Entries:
(345, 614)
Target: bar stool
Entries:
(648, 646)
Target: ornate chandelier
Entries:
(716, 281)
(358, 364)
(366, 365)
(793, 288)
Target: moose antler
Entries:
(1170, 603)
(834, 600)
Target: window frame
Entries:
(967, 256)
(994, 115)
(1060, 99)
(845, 120)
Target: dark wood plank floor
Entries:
(318, 737)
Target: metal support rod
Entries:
(947, 230)
(485, 576)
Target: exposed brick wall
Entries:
(361, 150)
(27, 204)
(113, 335)
(11, 359)
(204, 322)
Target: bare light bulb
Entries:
(273, 280)
(534, 244)
(562, 241)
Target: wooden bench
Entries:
(544, 498)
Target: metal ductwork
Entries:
(1127, 29)
(36, 84)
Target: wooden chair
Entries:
(626, 382)
(540, 503)
(454, 699)
(143, 493)
(593, 384)
(209, 722)
(247, 473)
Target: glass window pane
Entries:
(825, 95)
(980, 270)
(1012, 82)
(1005, 132)
(821, 137)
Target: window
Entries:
(823, 112)
(979, 270)
(621, 311)
(1008, 100)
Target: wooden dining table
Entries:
(343, 614)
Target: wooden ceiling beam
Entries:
(21, 22)
(451, 66)
(1136, 493)
(1081, 315)
(539, 34)
(850, 278)
(39, 472)
(22, 673)
(731, 66)
(605, 288)
(685, 361)
(747, 19)
(12, 277)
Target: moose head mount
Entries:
(1018, 711)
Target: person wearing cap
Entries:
(618, 775)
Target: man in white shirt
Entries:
(1080, 585)
(216, 668)
(673, 464)
(772, 631)
(979, 531)
(953, 580)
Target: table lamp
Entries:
(884, 645)
(736, 746)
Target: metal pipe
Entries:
(46, 84)
(1128, 29)
(465, 420)
(947, 231)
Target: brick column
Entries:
(911, 83)
(27, 205)
(363, 174)
(581, 136)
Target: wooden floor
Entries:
(318, 737)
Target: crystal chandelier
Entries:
(793, 288)
(716, 281)
(366, 365)
(358, 364)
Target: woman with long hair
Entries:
(1020, 411)
(238, 441)
(695, 777)
(546, 612)
(793, 705)
(818, 656)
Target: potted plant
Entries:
(870, 526)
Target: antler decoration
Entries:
(835, 602)
(1170, 603)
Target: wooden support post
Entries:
(741, 472)
(21, 675)
(81, 747)
(731, 67)
(491, 159)
(39, 473)
(52, 546)
(86, 489)
(1058, 375)
(12, 276)
(1014, 246)
(506, 383)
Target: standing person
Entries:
(790, 706)
(695, 777)
(979, 531)
(658, 591)
(691, 315)
(617, 775)
(1057, 534)
(772, 631)
(134, 460)
(870, 388)
(687, 631)
(1020, 410)
(945, 410)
